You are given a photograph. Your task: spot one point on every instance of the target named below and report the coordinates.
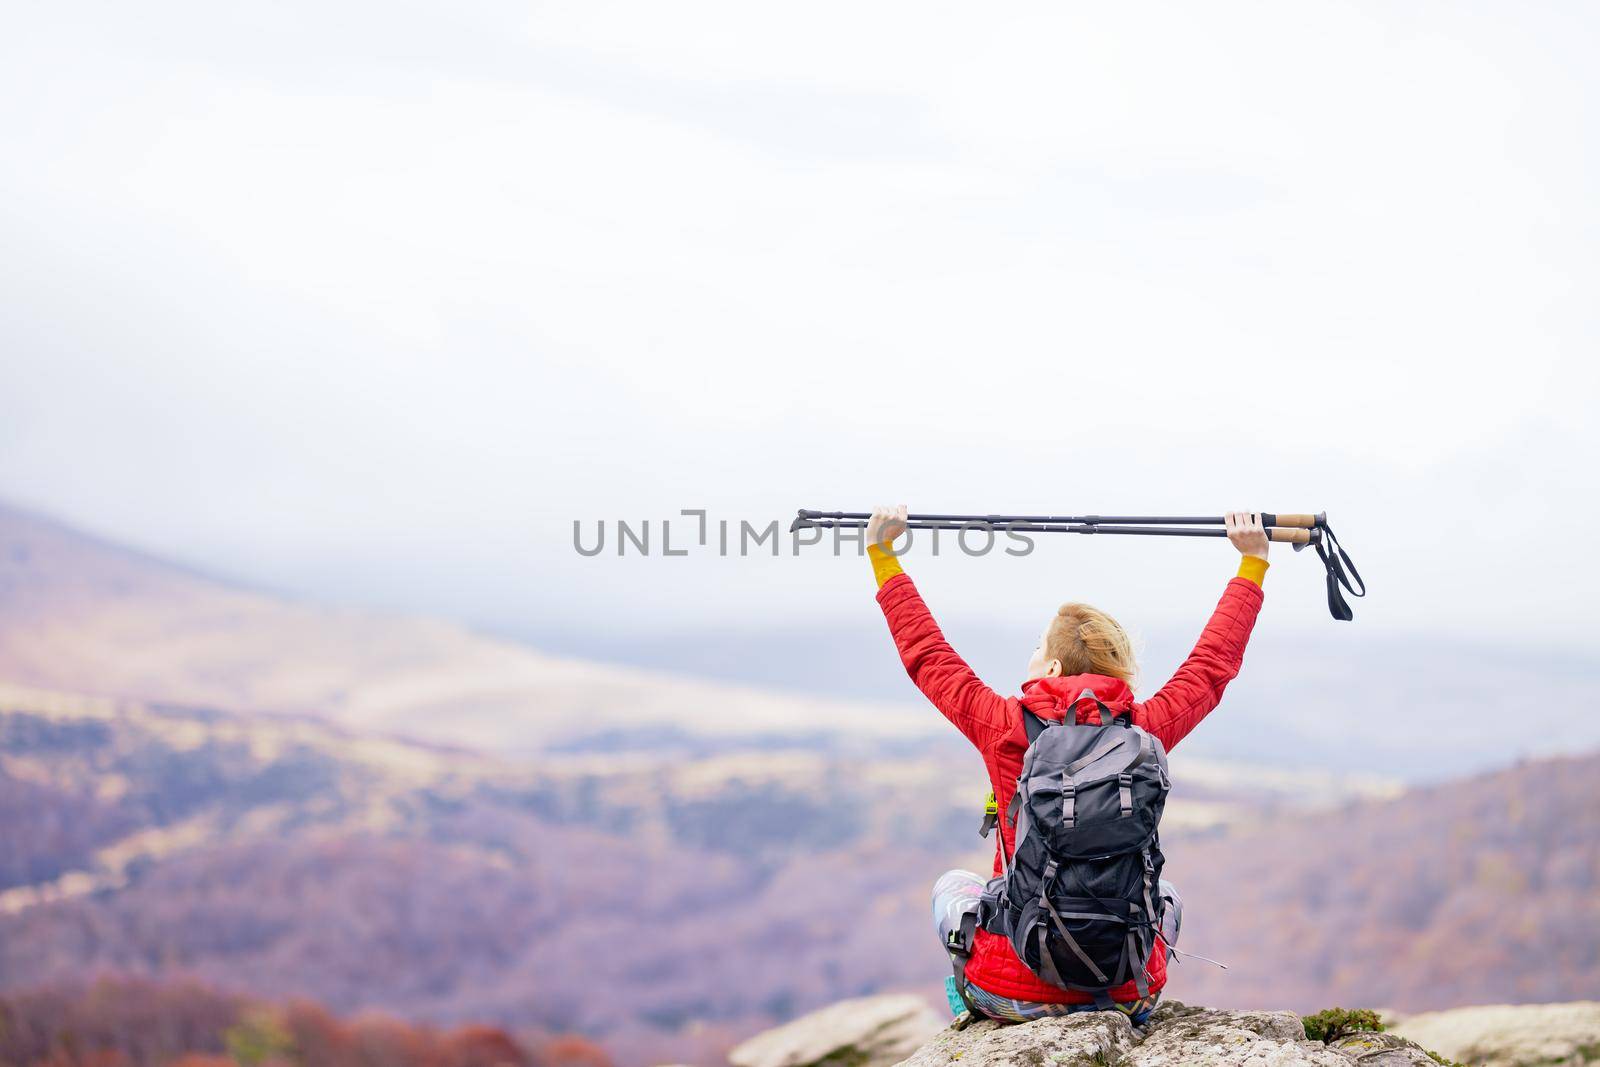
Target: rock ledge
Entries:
(1177, 1036)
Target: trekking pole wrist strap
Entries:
(1340, 572)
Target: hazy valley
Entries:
(285, 800)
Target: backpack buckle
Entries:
(991, 816)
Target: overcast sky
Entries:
(370, 301)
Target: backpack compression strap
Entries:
(959, 945)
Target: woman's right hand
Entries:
(886, 524)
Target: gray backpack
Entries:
(1078, 898)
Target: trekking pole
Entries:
(1297, 529)
(1299, 537)
(1268, 518)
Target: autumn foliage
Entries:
(142, 1023)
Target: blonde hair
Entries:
(1088, 641)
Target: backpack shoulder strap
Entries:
(1033, 724)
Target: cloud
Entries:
(370, 301)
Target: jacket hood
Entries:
(1049, 698)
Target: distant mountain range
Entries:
(1303, 699)
(84, 616)
(281, 799)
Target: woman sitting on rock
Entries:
(1081, 649)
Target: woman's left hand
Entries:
(1246, 533)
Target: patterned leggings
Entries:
(957, 892)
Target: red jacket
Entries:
(994, 724)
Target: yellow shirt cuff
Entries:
(1253, 568)
(885, 564)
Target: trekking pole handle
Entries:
(1290, 535)
(1302, 522)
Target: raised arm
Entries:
(943, 676)
(1197, 686)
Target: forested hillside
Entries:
(663, 904)
(1482, 891)
(667, 904)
